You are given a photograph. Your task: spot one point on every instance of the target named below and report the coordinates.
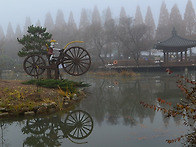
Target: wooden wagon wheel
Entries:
(34, 65)
(82, 123)
(76, 61)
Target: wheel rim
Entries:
(82, 123)
(34, 65)
(76, 61)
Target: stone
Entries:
(52, 110)
(5, 114)
(41, 110)
(2, 109)
(29, 113)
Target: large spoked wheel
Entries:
(81, 122)
(76, 61)
(34, 65)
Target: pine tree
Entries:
(34, 41)
(189, 19)
(138, 17)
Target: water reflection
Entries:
(118, 117)
(50, 131)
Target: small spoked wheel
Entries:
(81, 122)
(76, 61)
(36, 126)
(34, 65)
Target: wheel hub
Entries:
(76, 61)
(79, 124)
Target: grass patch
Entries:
(51, 83)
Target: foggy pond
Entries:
(112, 114)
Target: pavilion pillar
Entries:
(167, 58)
(164, 57)
(181, 58)
(186, 56)
(177, 57)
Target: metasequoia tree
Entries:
(189, 19)
(109, 33)
(49, 23)
(138, 17)
(176, 20)
(163, 23)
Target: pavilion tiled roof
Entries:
(175, 42)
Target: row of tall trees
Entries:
(105, 37)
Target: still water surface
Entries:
(112, 115)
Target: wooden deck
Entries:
(154, 67)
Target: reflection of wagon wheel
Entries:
(82, 123)
(36, 126)
(34, 65)
(77, 61)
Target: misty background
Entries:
(111, 29)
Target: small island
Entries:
(42, 96)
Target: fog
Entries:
(16, 12)
(111, 30)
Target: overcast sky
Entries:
(16, 11)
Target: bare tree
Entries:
(95, 35)
(133, 39)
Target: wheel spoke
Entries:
(78, 52)
(29, 66)
(83, 66)
(74, 118)
(80, 68)
(81, 132)
(83, 56)
(69, 65)
(33, 58)
(75, 52)
(31, 70)
(84, 59)
(29, 62)
(81, 53)
(71, 54)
